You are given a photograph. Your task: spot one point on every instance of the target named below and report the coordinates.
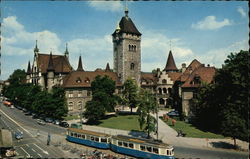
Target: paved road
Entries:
(31, 146)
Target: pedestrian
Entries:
(173, 122)
(48, 139)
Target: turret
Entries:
(28, 74)
(36, 50)
(170, 65)
(66, 53)
(107, 68)
(79, 68)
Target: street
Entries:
(34, 146)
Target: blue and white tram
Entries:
(141, 148)
(89, 138)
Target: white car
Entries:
(41, 122)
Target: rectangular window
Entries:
(75, 134)
(97, 139)
(70, 94)
(92, 138)
(125, 144)
(79, 93)
(149, 149)
(83, 136)
(71, 134)
(155, 150)
(79, 135)
(119, 143)
(131, 145)
(88, 93)
(142, 148)
(104, 140)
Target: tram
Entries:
(132, 146)
(141, 148)
(88, 138)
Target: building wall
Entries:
(124, 56)
(187, 95)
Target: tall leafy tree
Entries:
(130, 93)
(147, 104)
(103, 99)
(223, 106)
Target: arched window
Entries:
(164, 81)
(164, 90)
(129, 48)
(161, 101)
(70, 105)
(160, 91)
(79, 105)
(132, 66)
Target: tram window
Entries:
(119, 143)
(75, 134)
(83, 136)
(149, 149)
(92, 138)
(125, 144)
(167, 152)
(71, 134)
(142, 148)
(79, 135)
(131, 145)
(103, 140)
(155, 150)
(108, 140)
(97, 139)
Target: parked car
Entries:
(48, 120)
(25, 110)
(64, 124)
(57, 122)
(28, 113)
(18, 135)
(173, 113)
(41, 122)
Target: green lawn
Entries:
(192, 131)
(123, 122)
(71, 117)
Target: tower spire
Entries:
(107, 68)
(126, 9)
(80, 64)
(66, 53)
(170, 65)
(36, 48)
(28, 69)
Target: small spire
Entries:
(126, 9)
(80, 64)
(50, 65)
(170, 65)
(66, 53)
(107, 68)
(36, 48)
(28, 69)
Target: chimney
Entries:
(158, 72)
(183, 67)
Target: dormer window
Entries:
(87, 80)
(78, 80)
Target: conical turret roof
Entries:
(107, 68)
(79, 68)
(28, 69)
(170, 65)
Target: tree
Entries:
(147, 104)
(103, 99)
(223, 106)
(130, 94)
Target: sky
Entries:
(206, 31)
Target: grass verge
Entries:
(190, 130)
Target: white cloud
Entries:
(17, 41)
(241, 11)
(113, 6)
(155, 48)
(210, 23)
(217, 57)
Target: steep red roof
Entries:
(170, 65)
(192, 66)
(60, 63)
(202, 75)
(149, 78)
(84, 79)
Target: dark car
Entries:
(18, 135)
(48, 120)
(173, 113)
(64, 124)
